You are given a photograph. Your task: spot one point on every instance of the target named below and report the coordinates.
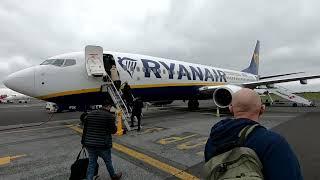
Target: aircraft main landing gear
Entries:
(193, 104)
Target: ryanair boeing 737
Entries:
(72, 79)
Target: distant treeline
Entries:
(310, 95)
(307, 95)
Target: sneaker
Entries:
(117, 176)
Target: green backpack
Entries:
(236, 163)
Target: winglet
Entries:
(254, 64)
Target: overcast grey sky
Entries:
(221, 33)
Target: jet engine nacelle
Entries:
(303, 81)
(222, 96)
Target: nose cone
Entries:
(22, 81)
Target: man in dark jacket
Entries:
(127, 94)
(136, 112)
(96, 138)
(278, 160)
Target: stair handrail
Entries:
(114, 87)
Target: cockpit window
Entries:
(55, 62)
(58, 62)
(70, 62)
(47, 62)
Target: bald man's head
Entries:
(246, 103)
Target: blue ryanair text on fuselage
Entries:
(196, 73)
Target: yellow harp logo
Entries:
(256, 58)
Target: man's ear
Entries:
(262, 109)
(231, 108)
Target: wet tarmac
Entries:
(170, 145)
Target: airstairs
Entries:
(289, 95)
(95, 68)
(117, 100)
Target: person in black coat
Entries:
(96, 138)
(127, 94)
(136, 112)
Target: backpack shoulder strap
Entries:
(245, 132)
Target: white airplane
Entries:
(75, 79)
(9, 96)
(17, 98)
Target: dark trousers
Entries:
(117, 84)
(139, 119)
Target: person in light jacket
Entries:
(115, 77)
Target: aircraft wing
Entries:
(254, 84)
(278, 75)
(210, 89)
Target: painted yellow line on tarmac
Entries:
(201, 153)
(75, 127)
(7, 160)
(147, 159)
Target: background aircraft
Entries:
(9, 96)
(75, 79)
(2, 97)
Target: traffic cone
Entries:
(119, 123)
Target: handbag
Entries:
(80, 166)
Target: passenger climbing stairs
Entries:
(117, 100)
